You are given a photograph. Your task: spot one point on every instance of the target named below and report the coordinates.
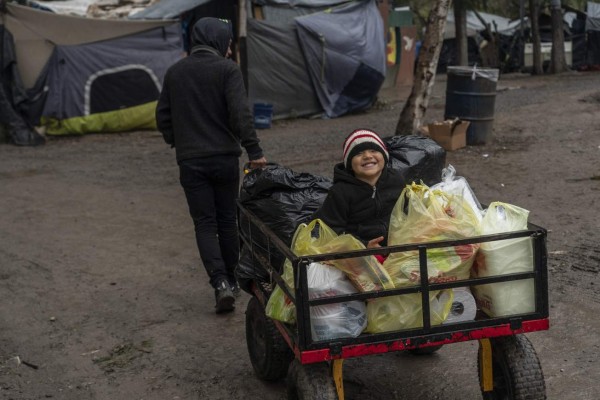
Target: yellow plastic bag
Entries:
(396, 313)
(505, 257)
(279, 306)
(432, 215)
(365, 273)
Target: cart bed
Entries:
(309, 351)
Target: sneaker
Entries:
(235, 289)
(225, 300)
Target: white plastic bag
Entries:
(337, 320)
(458, 186)
(364, 272)
(505, 257)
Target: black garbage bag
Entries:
(282, 199)
(19, 132)
(418, 158)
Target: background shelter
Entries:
(507, 36)
(592, 29)
(190, 11)
(91, 75)
(13, 98)
(302, 57)
(308, 57)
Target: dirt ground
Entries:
(102, 294)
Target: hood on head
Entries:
(213, 32)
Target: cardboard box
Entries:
(450, 134)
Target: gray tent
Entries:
(91, 75)
(345, 54)
(306, 57)
(113, 85)
(276, 70)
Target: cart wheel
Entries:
(269, 353)
(516, 370)
(424, 351)
(310, 382)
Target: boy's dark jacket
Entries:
(355, 207)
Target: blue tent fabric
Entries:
(277, 74)
(151, 52)
(344, 49)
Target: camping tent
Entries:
(305, 57)
(344, 50)
(277, 75)
(91, 75)
(188, 12)
(300, 56)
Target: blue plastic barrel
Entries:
(471, 96)
(263, 114)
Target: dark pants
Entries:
(211, 187)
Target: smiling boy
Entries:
(364, 191)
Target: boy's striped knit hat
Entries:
(360, 140)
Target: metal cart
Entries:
(508, 364)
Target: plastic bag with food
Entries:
(394, 313)
(317, 238)
(336, 320)
(424, 215)
(279, 306)
(505, 257)
(366, 273)
(458, 186)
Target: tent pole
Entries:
(241, 42)
(242, 18)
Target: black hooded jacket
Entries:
(203, 109)
(355, 207)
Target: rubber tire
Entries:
(269, 353)
(516, 369)
(310, 382)
(425, 351)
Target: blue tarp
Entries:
(344, 49)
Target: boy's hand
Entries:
(375, 242)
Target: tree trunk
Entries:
(558, 63)
(414, 110)
(460, 29)
(534, 12)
